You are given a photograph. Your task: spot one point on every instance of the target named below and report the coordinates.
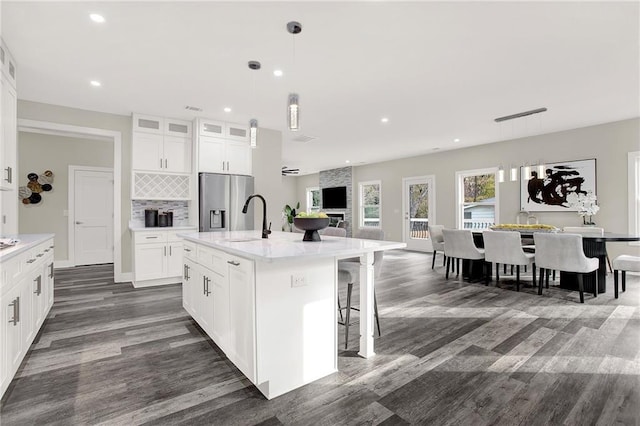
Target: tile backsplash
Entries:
(180, 210)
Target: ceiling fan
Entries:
(286, 171)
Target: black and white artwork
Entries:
(549, 191)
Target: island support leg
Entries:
(366, 305)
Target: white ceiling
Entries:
(438, 71)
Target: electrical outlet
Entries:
(298, 280)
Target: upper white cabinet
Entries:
(161, 144)
(8, 121)
(223, 148)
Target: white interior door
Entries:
(93, 216)
(418, 199)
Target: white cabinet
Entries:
(8, 143)
(26, 294)
(224, 156)
(161, 144)
(223, 147)
(9, 212)
(241, 342)
(157, 257)
(222, 300)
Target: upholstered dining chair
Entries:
(563, 252)
(458, 244)
(506, 247)
(588, 230)
(333, 231)
(437, 241)
(624, 263)
(349, 273)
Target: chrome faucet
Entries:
(265, 231)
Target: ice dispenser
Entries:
(216, 219)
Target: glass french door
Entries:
(418, 199)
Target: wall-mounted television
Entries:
(334, 198)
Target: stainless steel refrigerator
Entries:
(221, 200)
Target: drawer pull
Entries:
(9, 177)
(16, 311)
(148, 238)
(188, 250)
(39, 286)
(233, 262)
(31, 260)
(39, 254)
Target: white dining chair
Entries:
(505, 247)
(437, 241)
(588, 231)
(458, 244)
(563, 252)
(333, 231)
(624, 263)
(349, 273)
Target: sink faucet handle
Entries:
(269, 230)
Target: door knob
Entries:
(78, 223)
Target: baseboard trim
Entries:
(159, 281)
(62, 264)
(124, 277)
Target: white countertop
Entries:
(27, 241)
(136, 228)
(286, 245)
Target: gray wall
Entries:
(609, 143)
(78, 117)
(37, 153)
(340, 177)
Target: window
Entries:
(477, 199)
(313, 199)
(370, 204)
(634, 193)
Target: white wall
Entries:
(609, 143)
(82, 118)
(37, 153)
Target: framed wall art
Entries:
(548, 193)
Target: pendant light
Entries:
(513, 174)
(500, 174)
(526, 171)
(293, 108)
(253, 123)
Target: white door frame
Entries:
(71, 229)
(91, 133)
(431, 200)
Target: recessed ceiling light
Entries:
(227, 109)
(278, 73)
(97, 18)
(96, 83)
(347, 161)
(456, 140)
(384, 120)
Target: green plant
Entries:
(290, 212)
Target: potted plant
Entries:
(586, 205)
(289, 213)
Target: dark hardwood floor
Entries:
(451, 352)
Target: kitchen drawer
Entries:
(150, 237)
(189, 250)
(241, 264)
(212, 259)
(10, 272)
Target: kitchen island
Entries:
(271, 304)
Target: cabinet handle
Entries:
(46, 250)
(187, 249)
(204, 285)
(39, 254)
(166, 166)
(51, 270)
(223, 166)
(51, 247)
(39, 286)
(31, 260)
(9, 177)
(16, 311)
(161, 163)
(208, 281)
(150, 238)
(233, 262)
(227, 166)
(165, 251)
(170, 251)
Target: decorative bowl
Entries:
(311, 226)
